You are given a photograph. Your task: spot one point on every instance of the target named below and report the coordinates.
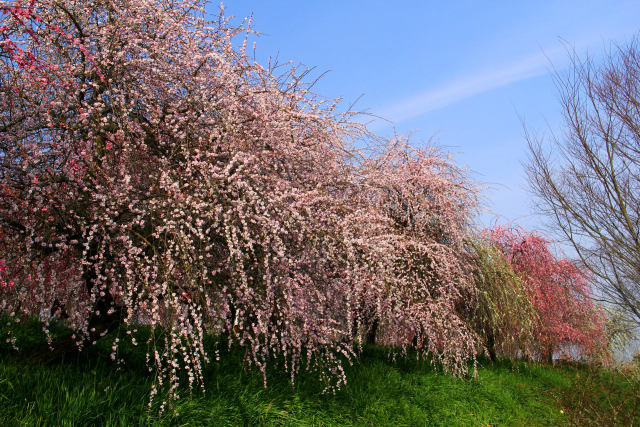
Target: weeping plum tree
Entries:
(560, 292)
(151, 172)
(412, 212)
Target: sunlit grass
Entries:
(90, 390)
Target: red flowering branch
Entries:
(560, 291)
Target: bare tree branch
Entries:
(588, 181)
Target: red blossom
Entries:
(560, 292)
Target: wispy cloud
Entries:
(504, 73)
(468, 86)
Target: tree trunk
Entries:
(373, 330)
(491, 347)
(65, 346)
(549, 354)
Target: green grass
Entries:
(89, 390)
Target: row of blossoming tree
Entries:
(150, 172)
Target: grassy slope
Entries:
(89, 390)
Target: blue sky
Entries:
(463, 72)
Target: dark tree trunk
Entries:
(66, 346)
(491, 347)
(106, 316)
(373, 330)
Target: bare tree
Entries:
(588, 179)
